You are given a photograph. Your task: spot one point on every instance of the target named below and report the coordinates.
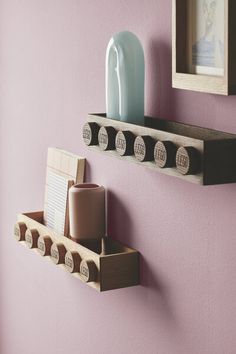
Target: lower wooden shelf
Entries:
(103, 264)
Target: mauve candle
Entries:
(87, 211)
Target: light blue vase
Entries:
(125, 78)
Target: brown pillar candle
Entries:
(87, 211)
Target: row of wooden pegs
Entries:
(57, 251)
(165, 154)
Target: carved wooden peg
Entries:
(19, 231)
(164, 154)
(72, 261)
(144, 148)
(90, 133)
(44, 245)
(88, 271)
(31, 238)
(107, 138)
(58, 252)
(188, 160)
(125, 143)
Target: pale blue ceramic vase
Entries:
(125, 78)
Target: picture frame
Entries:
(203, 46)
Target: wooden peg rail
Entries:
(198, 155)
(102, 264)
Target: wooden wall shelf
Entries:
(198, 155)
(103, 264)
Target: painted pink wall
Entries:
(52, 74)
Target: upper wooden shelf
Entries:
(198, 155)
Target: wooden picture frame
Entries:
(220, 81)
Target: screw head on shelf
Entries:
(31, 238)
(88, 271)
(107, 138)
(19, 231)
(165, 153)
(72, 261)
(58, 252)
(90, 133)
(125, 143)
(44, 245)
(188, 160)
(144, 148)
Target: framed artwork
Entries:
(203, 47)
(206, 37)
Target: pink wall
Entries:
(52, 74)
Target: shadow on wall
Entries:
(120, 228)
(161, 98)
(155, 284)
(119, 223)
